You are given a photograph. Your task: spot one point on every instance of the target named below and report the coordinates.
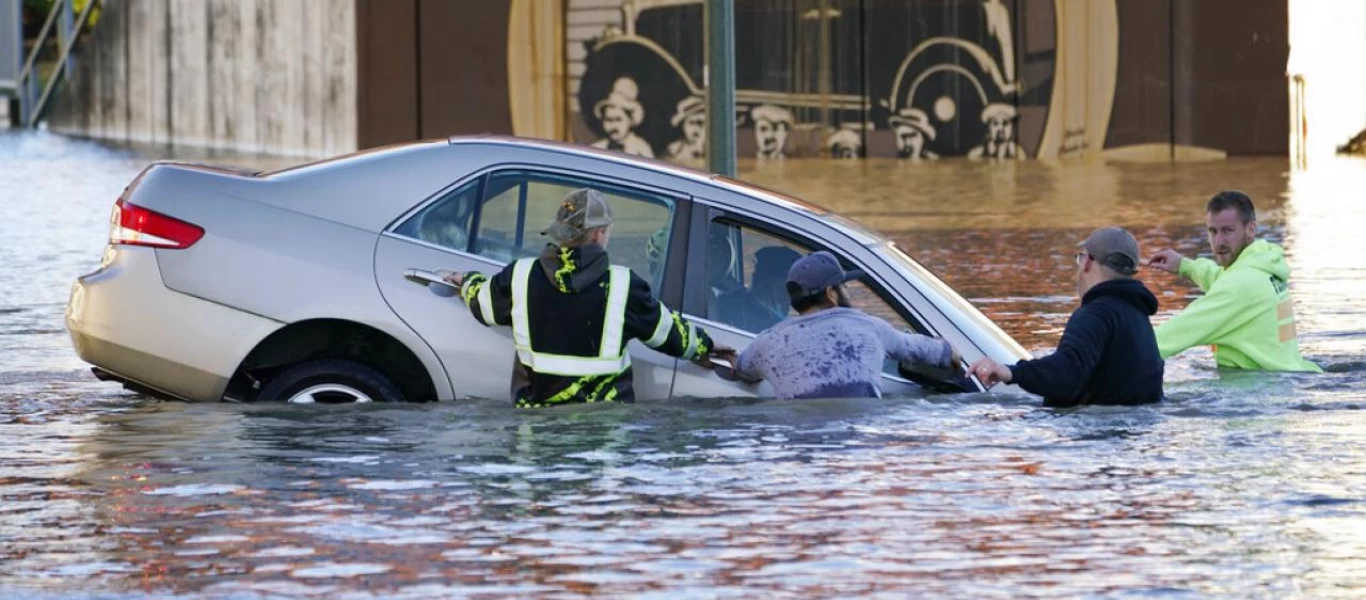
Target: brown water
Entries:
(1248, 485)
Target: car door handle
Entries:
(425, 277)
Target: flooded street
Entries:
(1242, 484)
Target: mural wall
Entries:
(927, 79)
(919, 80)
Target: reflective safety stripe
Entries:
(486, 303)
(614, 320)
(1285, 310)
(545, 363)
(611, 360)
(661, 333)
(521, 328)
(692, 342)
(1286, 332)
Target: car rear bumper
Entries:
(124, 320)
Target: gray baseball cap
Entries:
(815, 272)
(582, 210)
(1115, 248)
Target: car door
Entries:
(484, 223)
(742, 266)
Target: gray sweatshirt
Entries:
(834, 353)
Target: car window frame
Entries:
(671, 288)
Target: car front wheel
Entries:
(330, 381)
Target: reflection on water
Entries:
(1244, 484)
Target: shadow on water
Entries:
(1241, 484)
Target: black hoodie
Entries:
(1107, 355)
(565, 315)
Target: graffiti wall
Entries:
(922, 80)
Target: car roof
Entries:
(322, 184)
(858, 232)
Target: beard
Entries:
(842, 300)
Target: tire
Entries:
(330, 381)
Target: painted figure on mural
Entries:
(691, 119)
(911, 129)
(620, 113)
(1000, 136)
(845, 143)
(772, 124)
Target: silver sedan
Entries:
(312, 284)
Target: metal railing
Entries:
(32, 90)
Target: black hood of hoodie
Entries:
(572, 270)
(1129, 290)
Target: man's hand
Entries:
(990, 372)
(453, 278)
(725, 353)
(1167, 260)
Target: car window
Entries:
(747, 273)
(866, 299)
(747, 276)
(445, 222)
(518, 205)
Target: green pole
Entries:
(720, 82)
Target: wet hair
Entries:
(802, 303)
(1232, 199)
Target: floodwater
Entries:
(1242, 484)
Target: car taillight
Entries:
(134, 225)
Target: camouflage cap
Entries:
(582, 211)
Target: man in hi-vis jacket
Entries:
(572, 313)
(1246, 313)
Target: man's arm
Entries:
(1062, 374)
(749, 366)
(489, 300)
(1203, 271)
(648, 320)
(913, 347)
(1204, 321)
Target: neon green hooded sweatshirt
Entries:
(1245, 313)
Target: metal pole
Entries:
(64, 31)
(11, 57)
(720, 82)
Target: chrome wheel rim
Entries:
(329, 393)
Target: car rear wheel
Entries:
(330, 381)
